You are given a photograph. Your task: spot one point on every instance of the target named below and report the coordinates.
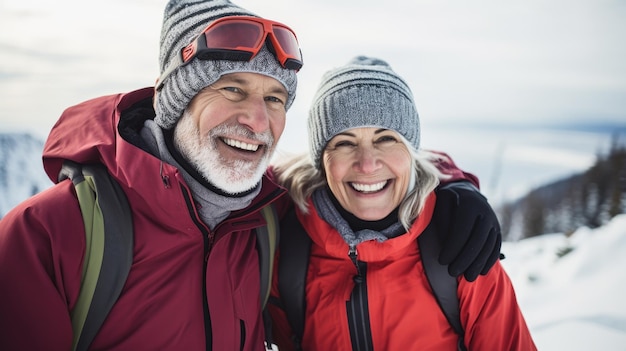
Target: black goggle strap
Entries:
(178, 61)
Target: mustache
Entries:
(265, 137)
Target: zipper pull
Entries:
(352, 253)
(164, 177)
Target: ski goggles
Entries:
(240, 38)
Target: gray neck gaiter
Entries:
(327, 211)
(212, 208)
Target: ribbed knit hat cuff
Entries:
(364, 93)
(187, 81)
(184, 20)
(362, 106)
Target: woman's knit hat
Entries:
(364, 93)
(183, 20)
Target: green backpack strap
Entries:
(267, 241)
(108, 247)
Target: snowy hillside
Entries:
(575, 302)
(21, 170)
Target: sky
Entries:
(575, 302)
(472, 66)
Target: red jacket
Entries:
(403, 312)
(163, 304)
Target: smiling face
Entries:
(368, 170)
(231, 128)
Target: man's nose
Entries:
(256, 116)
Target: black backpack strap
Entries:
(444, 285)
(109, 250)
(295, 248)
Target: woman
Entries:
(363, 200)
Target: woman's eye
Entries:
(386, 139)
(344, 143)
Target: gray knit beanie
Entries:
(364, 93)
(183, 20)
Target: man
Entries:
(190, 156)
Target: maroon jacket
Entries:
(187, 284)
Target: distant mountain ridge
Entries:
(611, 127)
(589, 199)
(21, 170)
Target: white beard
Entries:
(231, 176)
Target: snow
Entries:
(575, 302)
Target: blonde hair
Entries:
(301, 178)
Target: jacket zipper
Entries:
(208, 238)
(357, 307)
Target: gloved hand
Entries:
(469, 229)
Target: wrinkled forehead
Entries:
(253, 79)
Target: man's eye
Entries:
(274, 99)
(232, 89)
(232, 93)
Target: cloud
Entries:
(482, 60)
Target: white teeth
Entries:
(240, 145)
(368, 188)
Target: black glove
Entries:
(469, 229)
